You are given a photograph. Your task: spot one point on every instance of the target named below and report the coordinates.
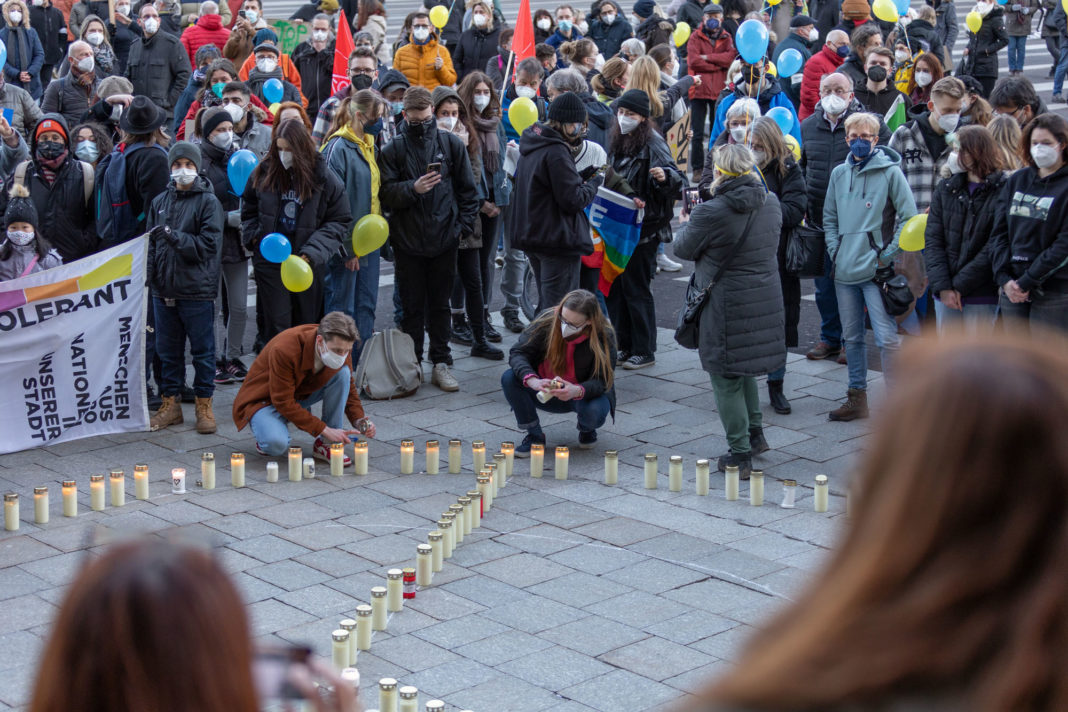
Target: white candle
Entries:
(537, 459)
(407, 457)
(433, 457)
(491, 469)
(478, 455)
(435, 706)
(486, 490)
(469, 517)
(70, 498)
(349, 626)
(351, 675)
(756, 488)
(822, 495)
(455, 456)
(177, 481)
(675, 473)
(141, 481)
(611, 467)
(409, 699)
(40, 505)
(394, 590)
(501, 472)
(207, 470)
(296, 457)
(96, 493)
(11, 512)
(387, 695)
(789, 494)
(340, 648)
(118, 488)
(237, 469)
(508, 448)
(359, 458)
(436, 539)
(457, 523)
(423, 565)
(337, 459)
(308, 470)
(272, 471)
(731, 483)
(448, 542)
(379, 615)
(476, 509)
(702, 477)
(650, 470)
(561, 463)
(363, 627)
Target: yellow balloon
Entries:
(795, 147)
(974, 21)
(369, 233)
(273, 108)
(296, 274)
(522, 113)
(913, 233)
(771, 69)
(682, 33)
(885, 10)
(1064, 4)
(439, 15)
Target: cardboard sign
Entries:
(290, 33)
(679, 143)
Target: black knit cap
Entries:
(636, 100)
(567, 108)
(184, 149)
(212, 118)
(20, 208)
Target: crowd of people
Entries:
(145, 105)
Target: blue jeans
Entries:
(778, 374)
(1017, 50)
(192, 319)
(354, 293)
(976, 318)
(1062, 69)
(271, 430)
(852, 298)
(591, 412)
(827, 303)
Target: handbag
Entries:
(687, 328)
(894, 288)
(805, 248)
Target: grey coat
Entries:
(25, 113)
(742, 327)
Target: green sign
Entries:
(290, 33)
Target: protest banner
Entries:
(679, 142)
(616, 224)
(73, 350)
(290, 33)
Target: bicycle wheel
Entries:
(528, 300)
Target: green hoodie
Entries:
(861, 200)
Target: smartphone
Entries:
(433, 168)
(690, 198)
(270, 671)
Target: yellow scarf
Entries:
(367, 147)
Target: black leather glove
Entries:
(160, 232)
(596, 180)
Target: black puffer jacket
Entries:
(316, 73)
(550, 198)
(159, 69)
(959, 224)
(48, 21)
(983, 47)
(323, 221)
(429, 224)
(926, 32)
(659, 197)
(533, 345)
(215, 170)
(475, 50)
(184, 264)
(609, 38)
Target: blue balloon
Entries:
(272, 91)
(275, 248)
(752, 40)
(902, 7)
(783, 117)
(790, 61)
(3, 54)
(239, 168)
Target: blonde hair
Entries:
(870, 121)
(488, 27)
(612, 70)
(575, 52)
(645, 75)
(1008, 135)
(768, 133)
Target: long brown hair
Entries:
(984, 154)
(368, 8)
(950, 581)
(466, 90)
(934, 66)
(150, 625)
(586, 304)
(271, 176)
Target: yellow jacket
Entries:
(416, 62)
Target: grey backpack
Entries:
(388, 367)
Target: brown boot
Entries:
(205, 418)
(170, 413)
(856, 406)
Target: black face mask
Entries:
(361, 81)
(50, 150)
(877, 73)
(420, 129)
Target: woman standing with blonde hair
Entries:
(611, 80)
(1008, 136)
(478, 43)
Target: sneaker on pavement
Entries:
(842, 358)
(236, 369)
(222, 375)
(523, 449)
(667, 264)
(633, 363)
(1057, 99)
(321, 451)
(587, 439)
(512, 322)
(442, 378)
(822, 350)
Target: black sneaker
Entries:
(633, 363)
(587, 439)
(188, 396)
(744, 462)
(222, 375)
(236, 369)
(523, 449)
(512, 322)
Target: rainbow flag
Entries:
(616, 224)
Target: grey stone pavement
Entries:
(574, 595)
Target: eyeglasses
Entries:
(573, 326)
(839, 92)
(866, 137)
(1012, 113)
(367, 72)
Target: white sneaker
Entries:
(667, 264)
(443, 378)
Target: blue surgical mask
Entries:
(217, 88)
(711, 25)
(564, 25)
(860, 148)
(398, 107)
(373, 127)
(843, 51)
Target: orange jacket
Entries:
(289, 71)
(416, 62)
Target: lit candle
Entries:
(394, 590)
(486, 490)
(501, 472)
(349, 626)
(478, 455)
(11, 512)
(455, 456)
(561, 463)
(436, 539)
(40, 505)
(823, 494)
(756, 488)
(611, 467)
(387, 695)
(458, 523)
(675, 473)
(476, 509)
(237, 469)
(789, 494)
(469, 517)
(359, 457)
(141, 481)
(207, 470)
(491, 469)
(448, 541)
(407, 457)
(118, 488)
(340, 648)
(296, 457)
(650, 470)
(435, 706)
(433, 457)
(379, 615)
(363, 627)
(508, 448)
(537, 459)
(337, 459)
(70, 498)
(409, 699)
(408, 578)
(177, 481)
(423, 565)
(702, 477)
(272, 471)
(96, 493)
(731, 483)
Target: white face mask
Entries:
(286, 157)
(567, 331)
(738, 134)
(635, 20)
(87, 151)
(478, 19)
(95, 38)
(737, 79)
(421, 33)
(948, 122)
(236, 112)
(320, 35)
(223, 140)
(184, 176)
(252, 16)
(20, 238)
(953, 163)
(481, 101)
(813, 35)
(598, 63)
(833, 105)
(983, 8)
(86, 64)
(608, 19)
(16, 16)
(38, 3)
(526, 91)
(627, 123)
(544, 24)
(331, 360)
(123, 10)
(1045, 156)
(760, 157)
(923, 78)
(447, 123)
(151, 25)
(266, 65)
(901, 56)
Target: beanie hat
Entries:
(644, 8)
(567, 108)
(264, 35)
(212, 118)
(636, 100)
(443, 93)
(184, 149)
(50, 125)
(266, 46)
(19, 207)
(856, 9)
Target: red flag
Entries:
(342, 49)
(523, 40)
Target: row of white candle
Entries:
(393, 697)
